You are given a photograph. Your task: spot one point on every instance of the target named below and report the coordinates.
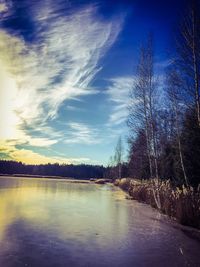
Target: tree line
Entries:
(81, 171)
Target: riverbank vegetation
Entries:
(181, 203)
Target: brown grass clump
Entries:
(181, 203)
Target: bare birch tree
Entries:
(142, 109)
(151, 88)
(118, 157)
(173, 89)
(138, 107)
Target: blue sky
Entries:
(66, 70)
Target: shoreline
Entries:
(58, 178)
(176, 203)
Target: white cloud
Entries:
(3, 7)
(81, 133)
(119, 94)
(41, 142)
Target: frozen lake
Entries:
(46, 222)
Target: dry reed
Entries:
(181, 203)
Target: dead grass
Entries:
(181, 203)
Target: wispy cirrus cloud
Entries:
(119, 94)
(60, 65)
(81, 133)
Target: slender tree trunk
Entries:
(120, 171)
(145, 111)
(155, 186)
(195, 65)
(147, 136)
(153, 139)
(179, 141)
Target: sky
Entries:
(66, 70)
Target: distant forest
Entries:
(73, 171)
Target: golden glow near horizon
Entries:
(10, 133)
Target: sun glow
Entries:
(8, 99)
